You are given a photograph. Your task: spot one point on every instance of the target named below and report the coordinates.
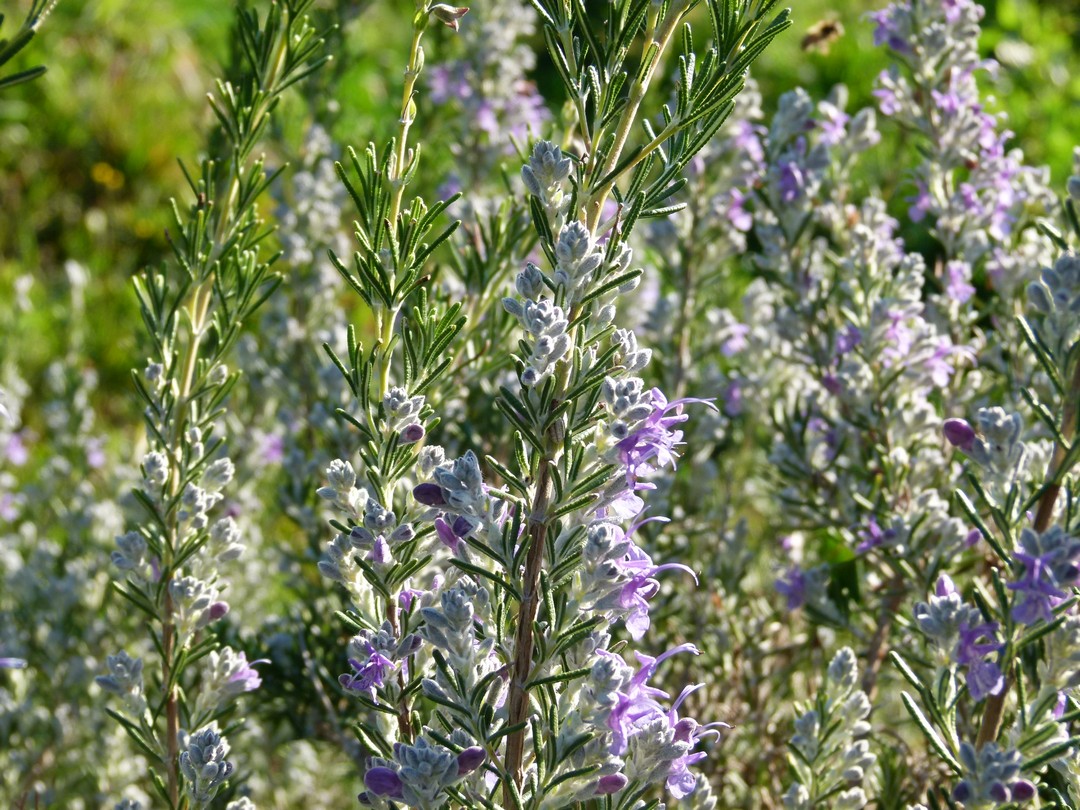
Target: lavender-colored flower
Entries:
(959, 433)
(12, 663)
(873, 536)
(374, 656)
(1051, 563)
(792, 586)
(652, 442)
(985, 678)
(369, 674)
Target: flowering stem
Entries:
(405, 730)
(200, 304)
(995, 704)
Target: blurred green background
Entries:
(88, 153)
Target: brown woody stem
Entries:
(523, 642)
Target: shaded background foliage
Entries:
(88, 152)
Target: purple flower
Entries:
(733, 398)
(832, 124)
(888, 100)
(655, 438)
(272, 448)
(958, 281)
(1038, 593)
(791, 181)
(247, 678)
(948, 103)
(680, 781)
(451, 534)
(745, 137)
(847, 339)
(740, 218)
(368, 674)
(938, 364)
(873, 536)
(888, 31)
(792, 586)
(632, 599)
(968, 649)
(612, 783)
(383, 781)
(16, 451)
(945, 586)
(411, 434)
(984, 678)
(410, 595)
(922, 202)
(470, 759)
(638, 703)
(901, 337)
(736, 340)
(959, 434)
(12, 663)
(429, 494)
(95, 453)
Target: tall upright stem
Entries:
(200, 305)
(523, 641)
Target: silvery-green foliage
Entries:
(827, 755)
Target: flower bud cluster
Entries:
(576, 260)
(403, 412)
(993, 444)
(1057, 296)
(546, 324)
(196, 603)
(419, 774)
(991, 777)
(205, 766)
(453, 628)
(125, 679)
(545, 177)
(227, 676)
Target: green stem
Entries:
(662, 38)
(405, 121)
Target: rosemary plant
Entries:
(483, 613)
(193, 309)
